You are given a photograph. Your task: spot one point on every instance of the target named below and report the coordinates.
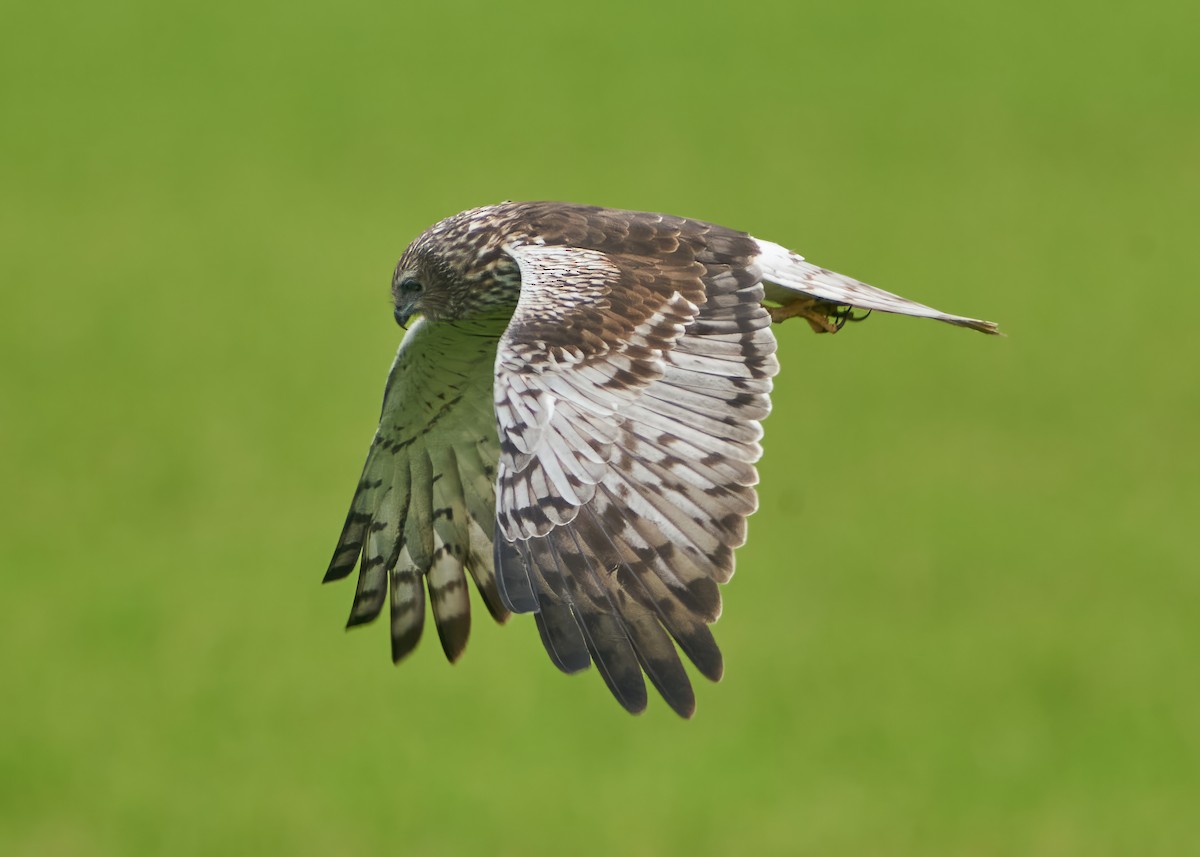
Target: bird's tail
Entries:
(786, 276)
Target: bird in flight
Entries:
(574, 422)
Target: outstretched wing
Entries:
(425, 506)
(629, 388)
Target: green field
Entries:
(968, 618)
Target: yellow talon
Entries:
(816, 313)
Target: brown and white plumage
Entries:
(575, 422)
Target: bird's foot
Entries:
(818, 314)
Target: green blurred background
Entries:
(966, 621)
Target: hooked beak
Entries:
(402, 315)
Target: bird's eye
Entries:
(410, 287)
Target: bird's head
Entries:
(456, 269)
(409, 292)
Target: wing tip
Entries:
(405, 644)
(988, 327)
(453, 632)
(681, 697)
(357, 620)
(339, 570)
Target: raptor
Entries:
(574, 422)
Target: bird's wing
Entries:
(425, 505)
(787, 274)
(629, 388)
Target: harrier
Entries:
(575, 421)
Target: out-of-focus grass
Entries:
(965, 622)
